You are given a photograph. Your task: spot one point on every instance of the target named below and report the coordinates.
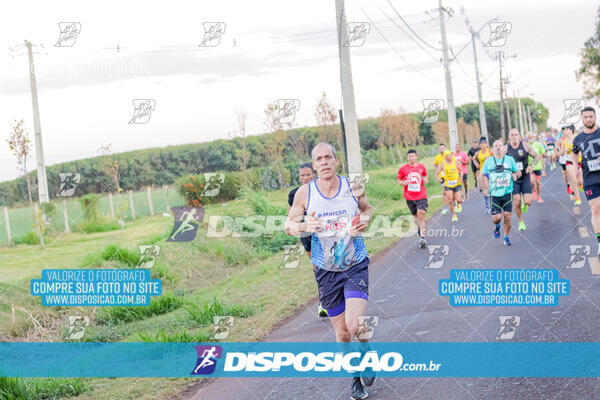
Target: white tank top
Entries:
(333, 248)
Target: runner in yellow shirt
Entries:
(483, 154)
(440, 173)
(452, 182)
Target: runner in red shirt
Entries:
(463, 160)
(413, 176)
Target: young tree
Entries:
(241, 117)
(441, 130)
(275, 143)
(20, 146)
(297, 142)
(110, 167)
(397, 129)
(589, 71)
(326, 117)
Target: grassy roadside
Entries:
(206, 277)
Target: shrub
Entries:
(190, 187)
(176, 337)
(30, 237)
(114, 253)
(98, 225)
(204, 315)
(158, 306)
(14, 389)
(55, 388)
(164, 273)
(41, 388)
(89, 205)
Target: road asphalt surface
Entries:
(403, 293)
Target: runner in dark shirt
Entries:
(471, 153)
(306, 174)
(587, 143)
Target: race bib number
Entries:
(562, 159)
(520, 166)
(335, 226)
(451, 183)
(593, 165)
(414, 187)
(502, 181)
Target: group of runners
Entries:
(330, 224)
(508, 175)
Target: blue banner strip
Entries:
(274, 359)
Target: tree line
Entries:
(282, 147)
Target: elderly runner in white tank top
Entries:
(336, 215)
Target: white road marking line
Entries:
(583, 232)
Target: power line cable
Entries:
(409, 27)
(395, 50)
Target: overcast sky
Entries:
(270, 50)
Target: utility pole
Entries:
(502, 129)
(507, 104)
(39, 148)
(529, 118)
(350, 120)
(520, 114)
(453, 131)
(474, 35)
(515, 111)
(482, 120)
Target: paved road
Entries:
(403, 293)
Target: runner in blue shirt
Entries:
(500, 172)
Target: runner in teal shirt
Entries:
(501, 171)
